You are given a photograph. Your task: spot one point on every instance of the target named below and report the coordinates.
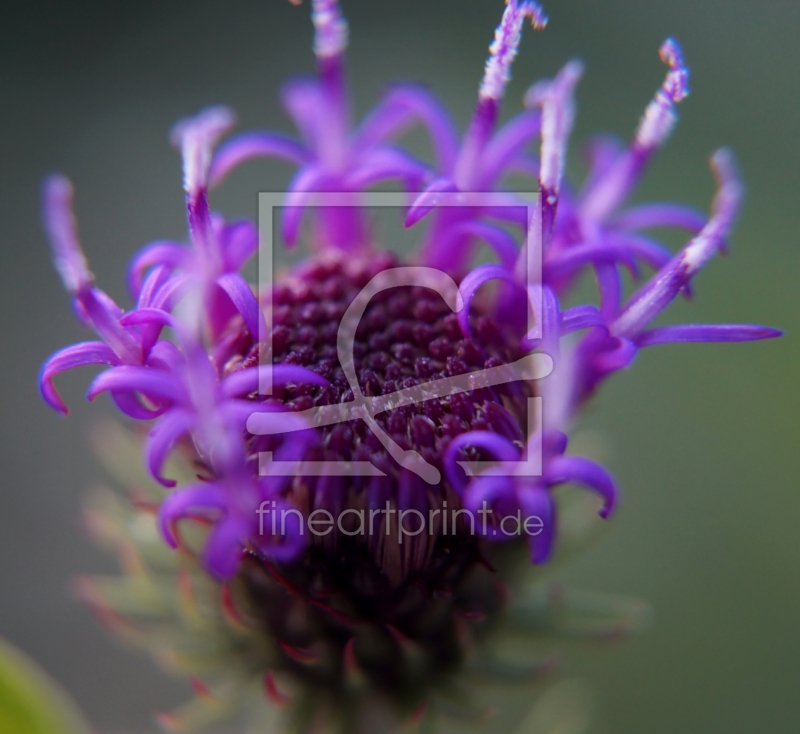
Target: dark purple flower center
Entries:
(407, 336)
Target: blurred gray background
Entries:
(703, 438)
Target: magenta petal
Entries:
(537, 502)
(577, 469)
(306, 181)
(507, 144)
(250, 146)
(498, 446)
(203, 497)
(161, 440)
(244, 301)
(104, 315)
(429, 199)
(245, 382)
(398, 110)
(651, 216)
(165, 356)
(171, 292)
(163, 252)
(150, 317)
(578, 256)
(616, 359)
(653, 297)
(547, 319)
(131, 406)
(66, 359)
(303, 100)
(601, 152)
(503, 244)
(648, 251)
(225, 546)
(156, 279)
(384, 163)
(579, 317)
(706, 333)
(470, 285)
(610, 288)
(493, 494)
(239, 242)
(148, 381)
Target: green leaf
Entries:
(32, 703)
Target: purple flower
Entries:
(199, 384)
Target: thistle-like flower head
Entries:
(425, 417)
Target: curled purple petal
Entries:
(66, 359)
(385, 163)
(149, 317)
(104, 316)
(617, 358)
(491, 496)
(248, 147)
(498, 446)
(402, 106)
(503, 244)
(224, 548)
(203, 497)
(163, 252)
(472, 282)
(149, 382)
(302, 99)
(161, 440)
(577, 469)
(156, 279)
(131, 406)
